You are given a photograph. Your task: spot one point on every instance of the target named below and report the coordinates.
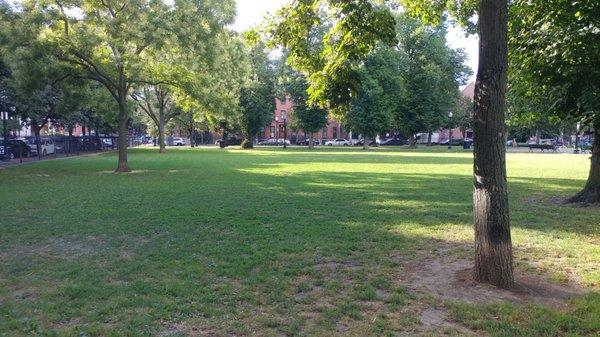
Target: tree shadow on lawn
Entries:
(283, 246)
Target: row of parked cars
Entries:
(26, 147)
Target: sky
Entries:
(252, 12)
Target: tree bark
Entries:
(192, 137)
(429, 134)
(123, 166)
(311, 141)
(412, 141)
(493, 247)
(70, 142)
(591, 192)
(38, 145)
(161, 133)
(365, 143)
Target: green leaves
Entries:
(327, 40)
(555, 51)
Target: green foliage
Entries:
(306, 116)
(257, 95)
(432, 74)
(352, 29)
(554, 53)
(380, 95)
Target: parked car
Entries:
(306, 141)
(230, 141)
(268, 142)
(455, 142)
(14, 148)
(178, 141)
(392, 141)
(338, 142)
(46, 145)
(361, 142)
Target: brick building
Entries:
(276, 128)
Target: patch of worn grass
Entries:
(269, 242)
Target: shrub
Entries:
(247, 144)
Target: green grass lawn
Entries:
(208, 242)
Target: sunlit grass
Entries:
(272, 242)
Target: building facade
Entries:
(282, 118)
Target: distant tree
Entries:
(381, 92)
(555, 49)
(257, 95)
(463, 114)
(433, 73)
(114, 42)
(305, 116)
(156, 101)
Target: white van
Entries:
(422, 138)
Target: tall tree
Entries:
(305, 116)
(257, 95)
(358, 25)
(114, 41)
(156, 102)
(381, 92)
(433, 73)
(556, 49)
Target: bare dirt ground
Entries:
(445, 275)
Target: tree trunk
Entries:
(70, 142)
(123, 166)
(365, 143)
(537, 136)
(493, 247)
(429, 138)
(223, 143)
(192, 137)
(38, 145)
(161, 134)
(412, 141)
(591, 192)
(311, 141)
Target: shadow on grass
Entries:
(219, 237)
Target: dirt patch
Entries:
(55, 248)
(67, 324)
(435, 319)
(185, 329)
(447, 276)
(339, 265)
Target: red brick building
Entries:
(276, 128)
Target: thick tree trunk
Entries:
(192, 137)
(365, 143)
(493, 247)
(591, 192)
(123, 166)
(311, 141)
(429, 138)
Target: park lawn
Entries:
(267, 242)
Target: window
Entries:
(325, 132)
(335, 133)
(272, 131)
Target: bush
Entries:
(247, 144)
